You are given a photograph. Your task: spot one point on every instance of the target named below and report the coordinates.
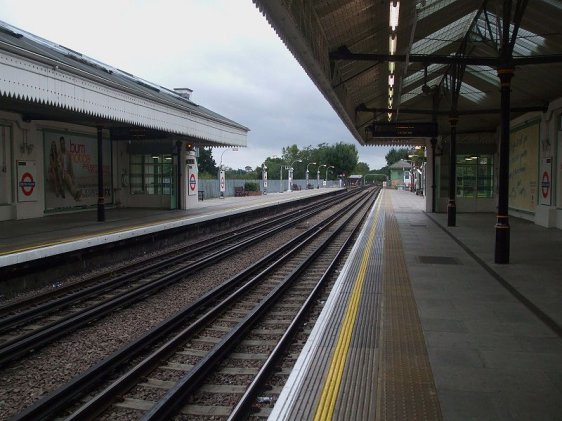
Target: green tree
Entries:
(240, 174)
(344, 157)
(206, 164)
(395, 155)
(361, 168)
(273, 168)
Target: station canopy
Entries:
(385, 66)
(42, 80)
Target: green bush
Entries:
(251, 186)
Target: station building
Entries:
(76, 133)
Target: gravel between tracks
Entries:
(26, 381)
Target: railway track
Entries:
(26, 308)
(40, 324)
(231, 335)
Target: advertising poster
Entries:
(71, 164)
(523, 167)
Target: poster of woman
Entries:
(72, 170)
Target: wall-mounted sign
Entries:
(546, 182)
(27, 181)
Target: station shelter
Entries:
(474, 83)
(400, 173)
(76, 134)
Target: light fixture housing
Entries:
(394, 14)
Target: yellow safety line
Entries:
(116, 231)
(327, 402)
(89, 236)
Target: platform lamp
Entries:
(233, 149)
(410, 171)
(264, 177)
(310, 163)
(318, 175)
(291, 172)
(222, 177)
(327, 169)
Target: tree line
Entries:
(340, 160)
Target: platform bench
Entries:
(240, 191)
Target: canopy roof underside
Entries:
(372, 72)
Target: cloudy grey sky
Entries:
(224, 50)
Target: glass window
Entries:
(151, 174)
(475, 176)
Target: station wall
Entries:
(541, 160)
(535, 183)
(50, 167)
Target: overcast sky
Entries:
(224, 50)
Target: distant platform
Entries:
(30, 239)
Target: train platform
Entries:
(421, 324)
(30, 239)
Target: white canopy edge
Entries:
(34, 81)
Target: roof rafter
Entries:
(343, 53)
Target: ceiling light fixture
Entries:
(394, 14)
(392, 40)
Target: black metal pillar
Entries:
(179, 180)
(502, 224)
(434, 109)
(452, 206)
(101, 206)
(433, 145)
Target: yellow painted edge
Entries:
(330, 391)
(116, 231)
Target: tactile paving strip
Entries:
(406, 387)
(358, 391)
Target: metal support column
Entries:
(433, 145)
(452, 206)
(435, 109)
(179, 181)
(502, 225)
(101, 206)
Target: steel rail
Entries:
(18, 347)
(194, 250)
(97, 405)
(242, 409)
(60, 398)
(175, 397)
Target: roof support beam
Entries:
(363, 108)
(343, 53)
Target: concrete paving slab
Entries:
(492, 355)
